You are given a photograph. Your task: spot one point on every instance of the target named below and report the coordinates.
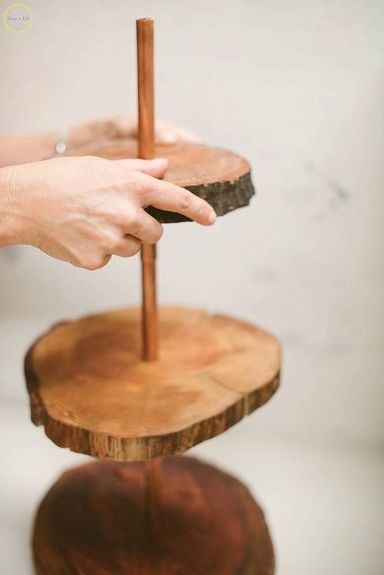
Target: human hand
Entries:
(101, 130)
(83, 210)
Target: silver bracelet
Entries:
(61, 145)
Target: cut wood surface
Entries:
(219, 176)
(93, 393)
(173, 516)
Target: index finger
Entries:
(167, 196)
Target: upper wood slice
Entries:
(219, 176)
(93, 393)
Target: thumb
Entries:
(155, 168)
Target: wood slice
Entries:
(219, 176)
(176, 516)
(93, 393)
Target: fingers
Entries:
(155, 168)
(125, 125)
(93, 259)
(166, 196)
(145, 228)
(140, 229)
(128, 246)
(92, 262)
(167, 133)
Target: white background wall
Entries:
(295, 86)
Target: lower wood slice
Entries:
(170, 516)
(90, 388)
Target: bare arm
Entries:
(20, 149)
(25, 148)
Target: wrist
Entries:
(46, 142)
(13, 228)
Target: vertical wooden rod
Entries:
(145, 90)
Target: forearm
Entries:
(24, 148)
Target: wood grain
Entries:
(99, 520)
(93, 393)
(219, 176)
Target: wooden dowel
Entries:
(145, 90)
(149, 304)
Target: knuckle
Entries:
(130, 248)
(133, 220)
(135, 182)
(112, 245)
(94, 262)
(118, 218)
(114, 215)
(135, 248)
(185, 199)
(159, 233)
(108, 242)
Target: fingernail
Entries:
(212, 217)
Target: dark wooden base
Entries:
(170, 516)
